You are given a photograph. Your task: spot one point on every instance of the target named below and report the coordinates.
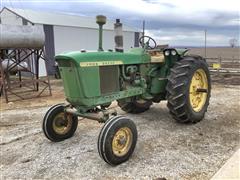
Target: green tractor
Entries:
(135, 79)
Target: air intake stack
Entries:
(100, 20)
(118, 36)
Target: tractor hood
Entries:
(104, 58)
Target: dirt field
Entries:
(215, 52)
(164, 149)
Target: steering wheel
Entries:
(146, 44)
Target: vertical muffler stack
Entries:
(100, 20)
(118, 36)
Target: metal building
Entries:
(64, 32)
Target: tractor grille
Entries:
(109, 79)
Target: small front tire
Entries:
(117, 140)
(58, 125)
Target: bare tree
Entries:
(233, 42)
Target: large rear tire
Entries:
(188, 90)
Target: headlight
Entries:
(167, 53)
(173, 52)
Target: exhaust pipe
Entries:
(118, 36)
(100, 20)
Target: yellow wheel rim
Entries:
(122, 141)
(62, 125)
(199, 84)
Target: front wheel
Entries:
(59, 125)
(188, 90)
(117, 140)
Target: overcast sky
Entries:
(174, 22)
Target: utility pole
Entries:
(205, 47)
(143, 33)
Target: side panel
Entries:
(49, 48)
(71, 82)
(79, 82)
(89, 79)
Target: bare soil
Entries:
(225, 78)
(216, 52)
(165, 149)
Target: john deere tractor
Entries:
(135, 79)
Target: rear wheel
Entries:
(188, 90)
(58, 125)
(117, 140)
(134, 106)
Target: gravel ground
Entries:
(165, 149)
